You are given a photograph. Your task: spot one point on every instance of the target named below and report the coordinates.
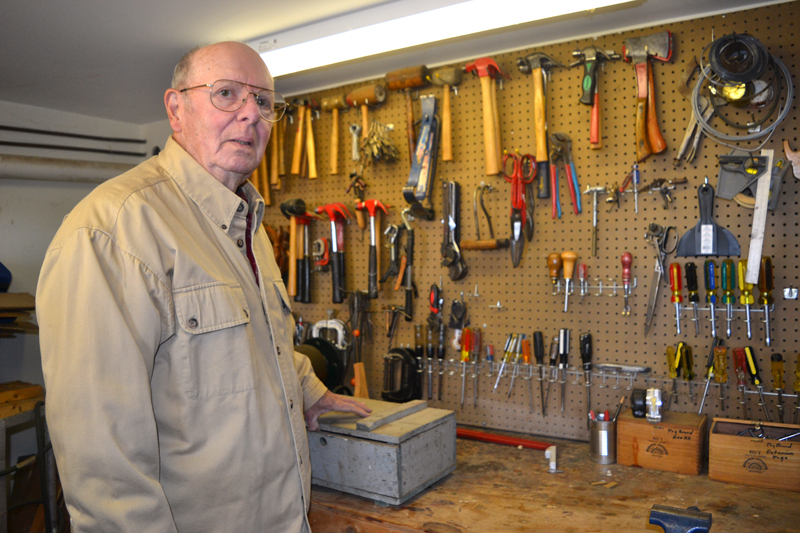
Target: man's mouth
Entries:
(243, 143)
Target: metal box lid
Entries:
(391, 423)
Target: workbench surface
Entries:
(499, 488)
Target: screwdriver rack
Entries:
(754, 309)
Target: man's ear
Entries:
(174, 104)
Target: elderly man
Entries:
(175, 400)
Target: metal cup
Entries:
(603, 442)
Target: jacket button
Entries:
(240, 208)
(192, 323)
(291, 404)
(240, 243)
(278, 348)
(224, 226)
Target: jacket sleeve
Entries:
(313, 388)
(102, 315)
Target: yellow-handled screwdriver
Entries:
(796, 389)
(673, 373)
(765, 286)
(721, 372)
(710, 371)
(746, 295)
(755, 378)
(776, 363)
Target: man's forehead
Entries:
(233, 61)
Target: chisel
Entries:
(586, 359)
(538, 354)
(563, 363)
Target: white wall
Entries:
(32, 210)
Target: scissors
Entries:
(665, 241)
(523, 170)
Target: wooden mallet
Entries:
(447, 77)
(369, 95)
(334, 104)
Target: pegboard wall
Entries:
(525, 292)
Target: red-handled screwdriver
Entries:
(626, 259)
(675, 285)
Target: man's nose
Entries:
(250, 107)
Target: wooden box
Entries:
(676, 444)
(389, 463)
(767, 463)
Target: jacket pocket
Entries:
(215, 343)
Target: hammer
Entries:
(591, 57)
(297, 153)
(292, 209)
(334, 104)
(539, 65)
(365, 96)
(594, 191)
(304, 262)
(488, 70)
(447, 77)
(639, 50)
(337, 212)
(372, 207)
(406, 79)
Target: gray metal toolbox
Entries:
(390, 456)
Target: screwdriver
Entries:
(554, 265)
(586, 359)
(419, 351)
(563, 363)
(673, 373)
(582, 276)
(796, 389)
(776, 362)
(728, 285)
(720, 372)
(466, 336)
(506, 354)
(538, 354)
(477, 338)
(710, 270)
(746, 298)
(517, 355)
(709, 371)
(627, 260)
(440, 355)
(675, 286)
(765, 286)
(740, 366)
(430, 356)
(553, 371)
(694, 298)
(683, 357)
(752, 368)
(490, 358)
(526, 359)
(568, 260)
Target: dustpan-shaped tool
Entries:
(707, 237)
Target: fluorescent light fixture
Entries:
(466, 18)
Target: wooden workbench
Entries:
(505, 489)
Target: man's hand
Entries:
(333, 402)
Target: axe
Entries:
(447, 77)
(404, 80)
(639, 50)
(366, 96)
(334, 104)
(538, 65)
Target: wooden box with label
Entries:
(749, 460)
(676, 444)
(390, 456)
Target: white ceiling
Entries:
(114, 58)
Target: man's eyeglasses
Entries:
(230, 96)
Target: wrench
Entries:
(355, 131)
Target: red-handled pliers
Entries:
(562, 149)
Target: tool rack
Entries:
(523, 292)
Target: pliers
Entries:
(562, 149)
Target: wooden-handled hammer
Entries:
(369, 95)
(404, 80)
(447, 77)
(488, 70)
(334, 104)
(639, 50)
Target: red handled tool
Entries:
(523, 171)
(627, 260)
(675, 286)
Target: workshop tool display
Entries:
(404, 80)
(374, 207)
(562, 151)
(554, 264)
(364, 97)
(694, 134)
(594, 191)
(334, 104)
(710, 277)
(639, 51)
(740, 368)
(311, 152)
(707, 237)
(568, 262)
(399, 376)
(777, 367)
(435, 327)
(765, 286)
(393, 233)
(423, 162)
(751, 366)
(672, 371)
(663, 187)
(523, 169)
(483, 244)
(710, 370)
(526, 360)
(539, 65)
(337, 214)
(517, 351)
(740, 174)
(659, 238)
(488, 70)
(292, 209)
(759, 224)
(476, 342)
(591, 58)
(586, 361)
(447, 78)
(451, 253)
(408, 275)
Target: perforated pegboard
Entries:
(524, 292)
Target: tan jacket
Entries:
(174, 397)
